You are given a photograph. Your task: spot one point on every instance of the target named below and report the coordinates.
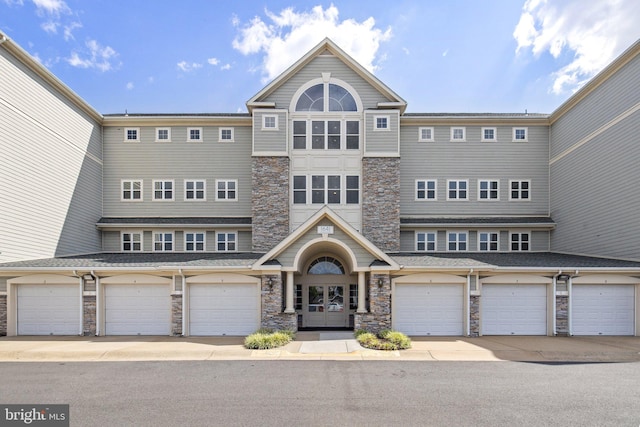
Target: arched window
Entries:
(325, 265)
(339, 99)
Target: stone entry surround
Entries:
(379, 316)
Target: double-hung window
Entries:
(519, 190)
(194, 241)
(300, 189)
(488, 241)
(426, 189)
(457, 241)
(226, 241)
(299, 134)
(457, 189)
(163, 190)
(195, 189)
(520, 241)
(353, 189)
(132, 241)
(327, 134)
(488, 190)
(131, 190)
(162, 241)
(226, 189)
(426, 241)
(325, 189)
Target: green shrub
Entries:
(385, 340)
(360, 332)
(265, 338)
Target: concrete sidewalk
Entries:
(320, 346)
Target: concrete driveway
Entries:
(321, 346)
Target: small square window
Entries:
(520, 190)
(457, 190)
(132, 241)
(488, 241)
(425, 134)
(195, 190)
(226, 242)
(381, 123)
(227, 189)
(458, 134)
(194, 134)
(132, 134)
(163, 134)
(162, 242)
(194, 241)
(269, 122)
(426, 242)
(226, 135)
(426, 189)
(520, 242)
(457, 241)
(520, 135)
(131, 190)
(488, 190)
(163, 190)
(489, 135)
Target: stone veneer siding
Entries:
(474, 315)
(269, 201)
(176, 314)
(89, 315)
(379, 315)
(273, 316)
(562, 315)
(3, 315)
(381, 202)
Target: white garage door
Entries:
(137, 309)
(48, 310)
(428, 309)
(603, 309)
(217, 309)
(514, 309)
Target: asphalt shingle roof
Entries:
(177, 221)
(479, 220)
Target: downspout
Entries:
(98, 301)
(184, 303)
(555, 304)
(468, 304)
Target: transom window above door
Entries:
(326, 97)
(325, 265)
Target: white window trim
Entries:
(435, 241)
(264, 120)
(519, 199)
(226, 190)
(126, 134)
(489, 191)
(173, 190)
(153, 240)
(226, 232)
(122, 181)
(421, 139)
(458, 190)
(194, 232)
(168, 134)
(194, 190)
(220, 130)
(526, 134)
(495, 135)
(189, 134)
(132, 232)
(375, 123)
(520, 233)
(489, 242)
(457, 233)
(426, 190)
(464, 134)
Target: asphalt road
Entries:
(330, 393)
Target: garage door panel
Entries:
(218, 309)
(603, 309)
(48, 310)
(137, 309)
(514, 309)
(428, 309)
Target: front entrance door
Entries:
(325, 306)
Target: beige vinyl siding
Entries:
(111, 241)
(50, 163)
(177, 161)
(595, 200)
(473, 160)
(381, 141)
(407, 241)
(326, 64)
(614, 96)
(269, 140)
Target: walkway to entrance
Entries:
(328, 342)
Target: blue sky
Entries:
(193, 56)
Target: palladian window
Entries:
(339, 99)
(326, 265)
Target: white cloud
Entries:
(68, 30)
(99, 57)
(50, 27)
(51, 7)
(213, 61)
(188, 67)
(289, 35)
(226, 67)
(130, 86)
(593, 33)
(14, 2)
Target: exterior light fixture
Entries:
(270, 283)
(380, 282)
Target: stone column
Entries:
(289, 294)
(89, 314)
(3, 315)
(269, 201)
(562, 315)
(379, 316)
(381, 202)
(362, 289)
(474, 315)
(272, 315)
(176, 314)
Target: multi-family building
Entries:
(326, 205)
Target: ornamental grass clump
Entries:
(264, 339)
(385, 340)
